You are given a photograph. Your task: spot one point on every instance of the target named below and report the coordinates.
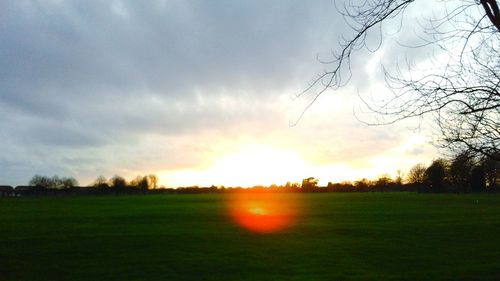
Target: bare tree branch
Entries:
(461, 94)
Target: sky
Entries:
(196, 92)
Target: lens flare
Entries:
(263, 212)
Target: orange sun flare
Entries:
(262, 212)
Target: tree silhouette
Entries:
(152, 181)
(101, 183)
(40, 181)
(141, 183)
(416, 175)
(478, 179)
(382, 182)
(309, 183)
(492, 172)
(54, 182)
(460, 93)
(362, 184)
(435, 175)
(460, 170)
(118, 183)
(69, 182)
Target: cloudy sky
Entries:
(197, 92)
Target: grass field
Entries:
(369, 236)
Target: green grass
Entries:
(373, 236)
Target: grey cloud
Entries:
(84, 52)
(85, 48)
(102, 74)
(82, 83)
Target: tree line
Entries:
(116, 183)
(462, 173)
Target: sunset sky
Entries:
(197, 92)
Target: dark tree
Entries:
(460, 171)
(41, 181)
(54, 182)
(435, 176)
(118, 183)
(382, 182)
(101, 183)
(416, 175)
(362, 185)
(478, 179)
(309, 183)
(69, 182)
(153, 181)
(144, 184)
(141, 183)
(460, 93)
(290, 185)
(491, 169)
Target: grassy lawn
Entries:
(370, 236)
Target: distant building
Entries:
(26, 190)
(6, 190)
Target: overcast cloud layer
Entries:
(129, 87)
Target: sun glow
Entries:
(263, 212)
(260, 165)
(248, 166)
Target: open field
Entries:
(363, 236)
